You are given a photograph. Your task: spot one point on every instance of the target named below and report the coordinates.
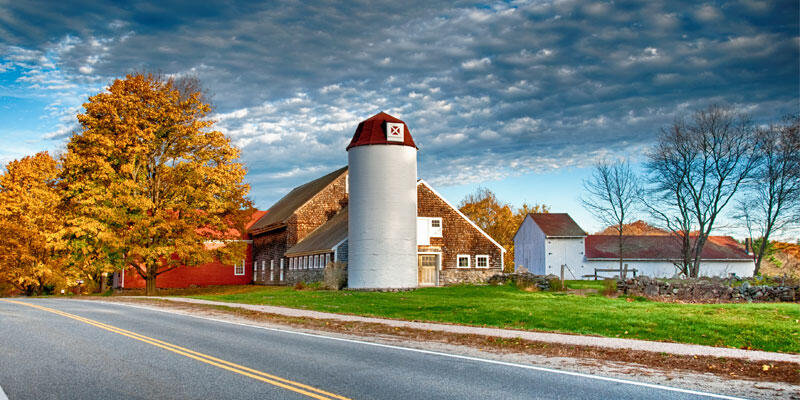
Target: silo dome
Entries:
(382, 227)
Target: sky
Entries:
(521, 97)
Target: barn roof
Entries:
(373, 131)
(661, 247)
(557, 225)
(280, 212)
(324, 238)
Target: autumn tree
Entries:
(149, 182)
(771, 202)
(499, 220)
(28, 217)
(695, 170)
(612, 194)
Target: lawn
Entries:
(763, 326)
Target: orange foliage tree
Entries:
(148, 182)
(499, 220)
(28, 217)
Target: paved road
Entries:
(54, 349)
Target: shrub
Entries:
(299, 285)
(609, 287)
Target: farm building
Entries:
(208, 274)
(545, 242)
(370, 213)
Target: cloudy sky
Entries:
(517, 96)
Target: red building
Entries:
(209, 274)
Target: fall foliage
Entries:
(499, 220)
(28, 217)
(636, 228)
(147, 181)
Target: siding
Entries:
(458, 237)
(529, 247)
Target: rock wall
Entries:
(454, 276)
(707, 290)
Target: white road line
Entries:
(436, 353)
(3, 394)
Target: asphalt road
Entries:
(81, 349)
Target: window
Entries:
(316, 261)
(238, 269)
(463, 261)
(327, 259)
(436, 227)
(482, 261)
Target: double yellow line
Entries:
(205, 358)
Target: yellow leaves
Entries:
(146, 170)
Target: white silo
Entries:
(382, 227)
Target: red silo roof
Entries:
(373, 131)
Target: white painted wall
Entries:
(529, 249)
(382, 222)
(666, 269)
(565, 251)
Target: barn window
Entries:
(436, 227)
(482, 261)
(238, 269)
(463, 261)
(327, 259)
(316, 261)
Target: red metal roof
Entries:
(557, 225)
(373, 131)
(651, 247)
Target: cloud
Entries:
(488, 90)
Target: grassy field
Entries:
(764, 326)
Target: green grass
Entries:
(764, 326)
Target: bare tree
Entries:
(772, 202)
(612, 191)
(699, 165)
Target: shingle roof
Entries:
(557, 225)
(373, 131)
(661, 248)
(324, 238)
(280, 212)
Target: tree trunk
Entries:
(150, 286)
(761, 250)
(621, 276)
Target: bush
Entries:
(300, 285)
(609, 287)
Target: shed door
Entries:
(427, 269)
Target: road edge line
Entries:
(442, 354)
(3, 394)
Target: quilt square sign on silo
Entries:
(395, 132)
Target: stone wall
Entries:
(305, 276)
(452, 276)
(524, 280)
(707, 290)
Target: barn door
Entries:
(427, 269)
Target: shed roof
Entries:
(280, 212)
(324, 238)
(373, 131)
(650, 247)
(557, 225)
